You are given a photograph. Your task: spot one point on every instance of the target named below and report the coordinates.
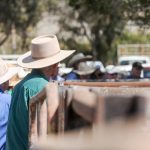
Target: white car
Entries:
(129, 60)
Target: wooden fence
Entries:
(110, 84)
(95, 103)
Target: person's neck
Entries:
(48, 75)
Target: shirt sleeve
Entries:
(28, 94)
(4, 108)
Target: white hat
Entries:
(84, 69)
(63, 70)
(80, 57)
(6, 72)
(45, 51)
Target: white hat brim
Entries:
(27, 61)
(84, 72)
(9, 74)
(84, 58)
(63, 71)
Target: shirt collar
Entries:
(38, 72)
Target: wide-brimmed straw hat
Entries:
(6, 73)
(84, 69)
(45, 51)
(78, 58)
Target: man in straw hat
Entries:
(74, 63)
(6, 73)
(43, 59)
(84, 71)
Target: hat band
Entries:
(46, 56)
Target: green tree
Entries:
(99, 21)
(21, 16)
(139, 12)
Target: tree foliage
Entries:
(139, 11)
(97, 21)
(102, 21)
(19, 15)
(84, 24)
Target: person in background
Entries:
(6, 73)
(135, 71)
(74, 63)
(98, 74)
(43, 59)
(84, 71)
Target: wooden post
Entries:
(43, 120)
(52, 101)
(33, 136)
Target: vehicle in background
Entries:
(133, 50)
(125, 69)
(125, 63)
(129, 53)
(146, 71)
(129, 60)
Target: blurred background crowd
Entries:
(111, 39)
(82, 67)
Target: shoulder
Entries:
(5, 99)
(72, 75)
(32, 82)
(27, 88)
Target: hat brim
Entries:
(63, 71)
(27, 61)
(9, 74)
(84, 72)
(85, 58)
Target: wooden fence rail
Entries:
(109, 84)
(94, 102)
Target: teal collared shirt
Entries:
(18, 123)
